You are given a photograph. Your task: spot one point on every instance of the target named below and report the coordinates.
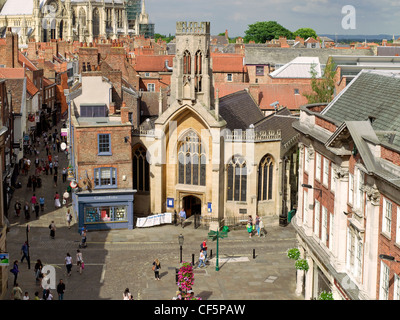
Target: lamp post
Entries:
(215, 235)
(181, 238)
(309, 186)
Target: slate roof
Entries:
(239, 110)
(372, 95)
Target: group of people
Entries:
(257, 226)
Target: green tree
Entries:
(260, 32)
(322, 88)
(163, 37)
(305, 33)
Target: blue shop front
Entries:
(104, 210)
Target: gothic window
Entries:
(82, 17)
(141, 170)
(265, 178)
(187, 63)
(191, 160)
(96, 22)
(237, 179)
(198, 71)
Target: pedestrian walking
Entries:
(34, 183)
(127, 295)
(16, 293)
(51, 166)
(55, 179)
(37, 209)
(36, 296)
(69, 219)
(24, 252)
(258, 225)
(17, 208)
(263, 233)
(65, 198)
(68, 264)
(64, 175)
(61, 290)
(156, 269)
(38, 269)
(249, 226)
(203, 246)
(56, 167)
(52, 227)
(27, 211)
(79, 261)
(15, 271)
(26, 296)
(201, 259)
(182, 215)
(41, 202)
(57, 203)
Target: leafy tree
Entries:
(324, 87)
(305, 33)
(260, 32)
(163, 37)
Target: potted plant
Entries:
(325, 296)
(293, 253)
(301, 264)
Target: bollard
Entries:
(254, 253)
(192, 259)
(210, 253)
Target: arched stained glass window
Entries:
(236, 170)
(141, 171)
(265, 178)
(191, 160)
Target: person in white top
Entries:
(68, 263)
(127, 295)
(79, 261)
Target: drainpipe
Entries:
(167, 67)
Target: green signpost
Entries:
(215, 235)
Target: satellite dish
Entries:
(63, 146)
(73, 184)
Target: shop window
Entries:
(104, 144)
(105, 214)
(105, 178)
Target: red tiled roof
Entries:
(30, 87)
(47, 82)
(148, 63)
(227, 63)
(28, 64)
(12, 73)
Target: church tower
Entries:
(191, 79)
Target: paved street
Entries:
(117, 259)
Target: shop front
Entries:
(104, 210)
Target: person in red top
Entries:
(203, 246)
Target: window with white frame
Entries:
(306, 159)
(396, 293)
(331, 232)
(332, 179)
(325, 174)
(229, 77)
(398, 226)
(386, 216)
(354, 253)
(318, 166)
(305, 206)
(317, 213)
(384, 282)
(358, 256)
(359, 198)
(324, 227)
(151, 87)
(351, 188)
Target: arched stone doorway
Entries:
(192, 205)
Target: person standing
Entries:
(57, 203)
(17, 208)
(41, 202)
(26, 210)
(55, 177)
(51, 166)
(37, 208)
(69, 219)
(182, 215)
(15, 271)
(156, 269)
(33, 199)
(65, 197)
(201, 259)
(258, 225)
(24, 252)
(61, 290)
(26, 296)
(38, 269)
(52, 228)
(16, 293)
(68, 264)
(127, 295)
(36, 296)
(79, 261)
(64, 175)
(204, 248)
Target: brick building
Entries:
(348, 198)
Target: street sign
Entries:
(215, 235)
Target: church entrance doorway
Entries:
(192, 205)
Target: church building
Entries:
(74, 20)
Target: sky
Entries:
(324, 16)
